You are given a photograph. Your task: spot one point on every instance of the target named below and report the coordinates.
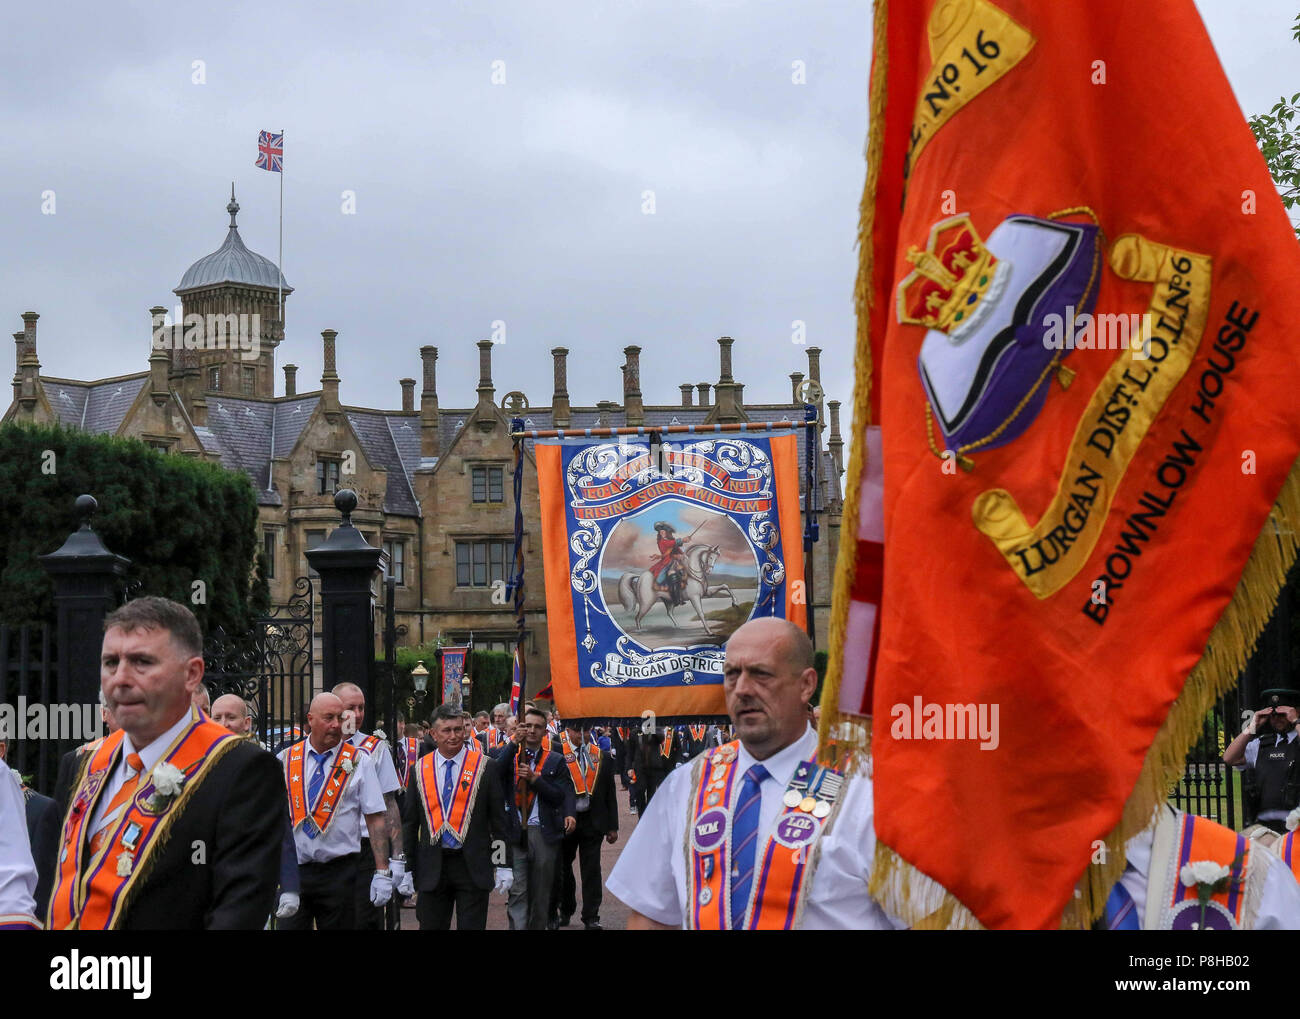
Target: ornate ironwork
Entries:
(270, 666)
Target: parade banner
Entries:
(1075, 333)
(649, 573)
(453, 671)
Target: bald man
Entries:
(332, 791)
(801, 838)
(233, 712)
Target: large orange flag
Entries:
(1077, 303)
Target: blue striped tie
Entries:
(744, 840)
(449, 841)
(313, 788)
(1120, 913)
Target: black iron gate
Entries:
(1208, 786)
(270, 666)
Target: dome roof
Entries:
(233, 263)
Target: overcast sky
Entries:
(475, 202)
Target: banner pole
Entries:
(810, 528)
(516, 585)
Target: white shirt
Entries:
(582, 751)
(17, 869)
(650, 875)
(361, 796)
(381, 765)
(1279, 905)
(534, 818)
(149, 755)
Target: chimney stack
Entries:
(408, 394)
(687, 389)
(429, 445)
(632, 387)
(18, 364)
(724, 358)
(486, 391)
(814, 364)
(159, 359)
(796, 380)
(560, 398)
(290, 380)
(703, 387)
(836, 443)
(29, 331)
(329, 380)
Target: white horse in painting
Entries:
(637, 591)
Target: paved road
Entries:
(613, 914)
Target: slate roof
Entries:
(376, 432)
(97, 407)
(233, 262)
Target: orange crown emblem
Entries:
(951, 276)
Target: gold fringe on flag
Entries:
(899, 887)
(837, 752)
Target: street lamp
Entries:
(420, 677)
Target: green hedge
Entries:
(177, 519)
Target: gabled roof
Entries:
(376, 432)
(96, 407)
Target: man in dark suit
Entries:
(544, 799)
(591, 776)
(171, 794)
(455, 817)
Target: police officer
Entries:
(1268, 755)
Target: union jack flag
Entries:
(270, 151)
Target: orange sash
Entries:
(93, 890)
(411, 754)
(322, 815)
(1285, 849)
(368, 744)
(457, 821)
(698, 731)
(492, 737)
(783, 867)
(583, 785)
(1198, 838)
(667, 748)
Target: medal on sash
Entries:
(783, 866)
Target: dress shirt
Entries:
(380, 763)
(534, 818)
(650, 875)
(149, 756)
(17, 869)
(361, 796)
(1279, 905)
(440, 779)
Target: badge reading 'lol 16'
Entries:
(710, 830)
(797, 830)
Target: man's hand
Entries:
(526, 774)
(402, 879)
(1260, 718)
(611, 837)
(505, 879)
(289, 903)
(570, 823)
(381, 889)
(1289, 712)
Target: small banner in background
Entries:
(453, 671)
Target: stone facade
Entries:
(433, 483)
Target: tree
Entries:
(1276, 133)
(189, 527)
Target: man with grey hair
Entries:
(174, 823)
(755, 834)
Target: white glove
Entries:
(402, 879)
(505, 879)
(381, 889)
(288, 905)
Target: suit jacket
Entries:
(237, 816)
(603, 812)
(553, 788)
(489, 825)
(43, 826)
